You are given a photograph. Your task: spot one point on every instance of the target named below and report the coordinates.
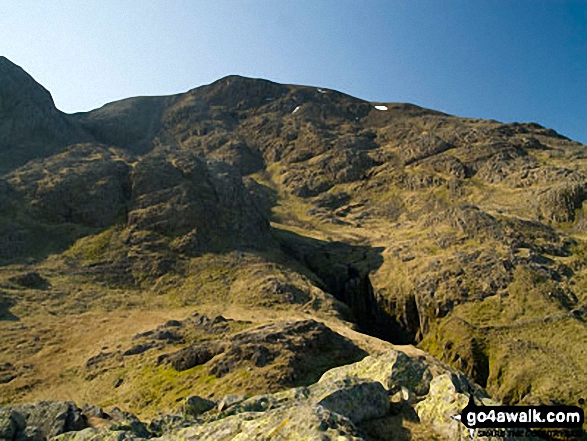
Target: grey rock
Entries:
(358, 402)
(196, 405)
(44, 419)
(228, 401)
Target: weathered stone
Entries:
(90, 434)
(94, 412)
(10, 423)
(312, 423)
(196, 405)
(358, 402)
(44, 419)
(394, 369)
(228, 401)
(444, 401)
(127, 422)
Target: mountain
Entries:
(390, 225)
(30, 124)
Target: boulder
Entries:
(30, 280)
(446, 400)
(42, 420)
(90, 434)
(196, 405)
(358, 402)
(394, 369)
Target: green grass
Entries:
(521, 334)
(101, 246)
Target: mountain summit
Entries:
(20, 90)
(248, 238)
(30, 124)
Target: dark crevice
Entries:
(397, 322)
(344, 270)
(371, 311)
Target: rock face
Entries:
(298, 345)
(204, 205)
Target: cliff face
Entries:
(462, 236)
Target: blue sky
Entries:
(506, 60)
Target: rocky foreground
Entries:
(390, 396)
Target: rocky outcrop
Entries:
(221, 355)
(30, 280)
(204, 206)
(299, 345)
(343, 404)
(561, 202)
(312, 178)
(40, 421)
(86, 184)
(174, 333)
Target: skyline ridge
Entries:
(270, 81)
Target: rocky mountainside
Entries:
(30, 124)
(282, 208)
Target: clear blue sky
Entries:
(507, 60)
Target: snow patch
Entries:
(296, 109)
(321, 91)
(381, 107)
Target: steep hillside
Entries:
(262, 202)
(448, 211)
